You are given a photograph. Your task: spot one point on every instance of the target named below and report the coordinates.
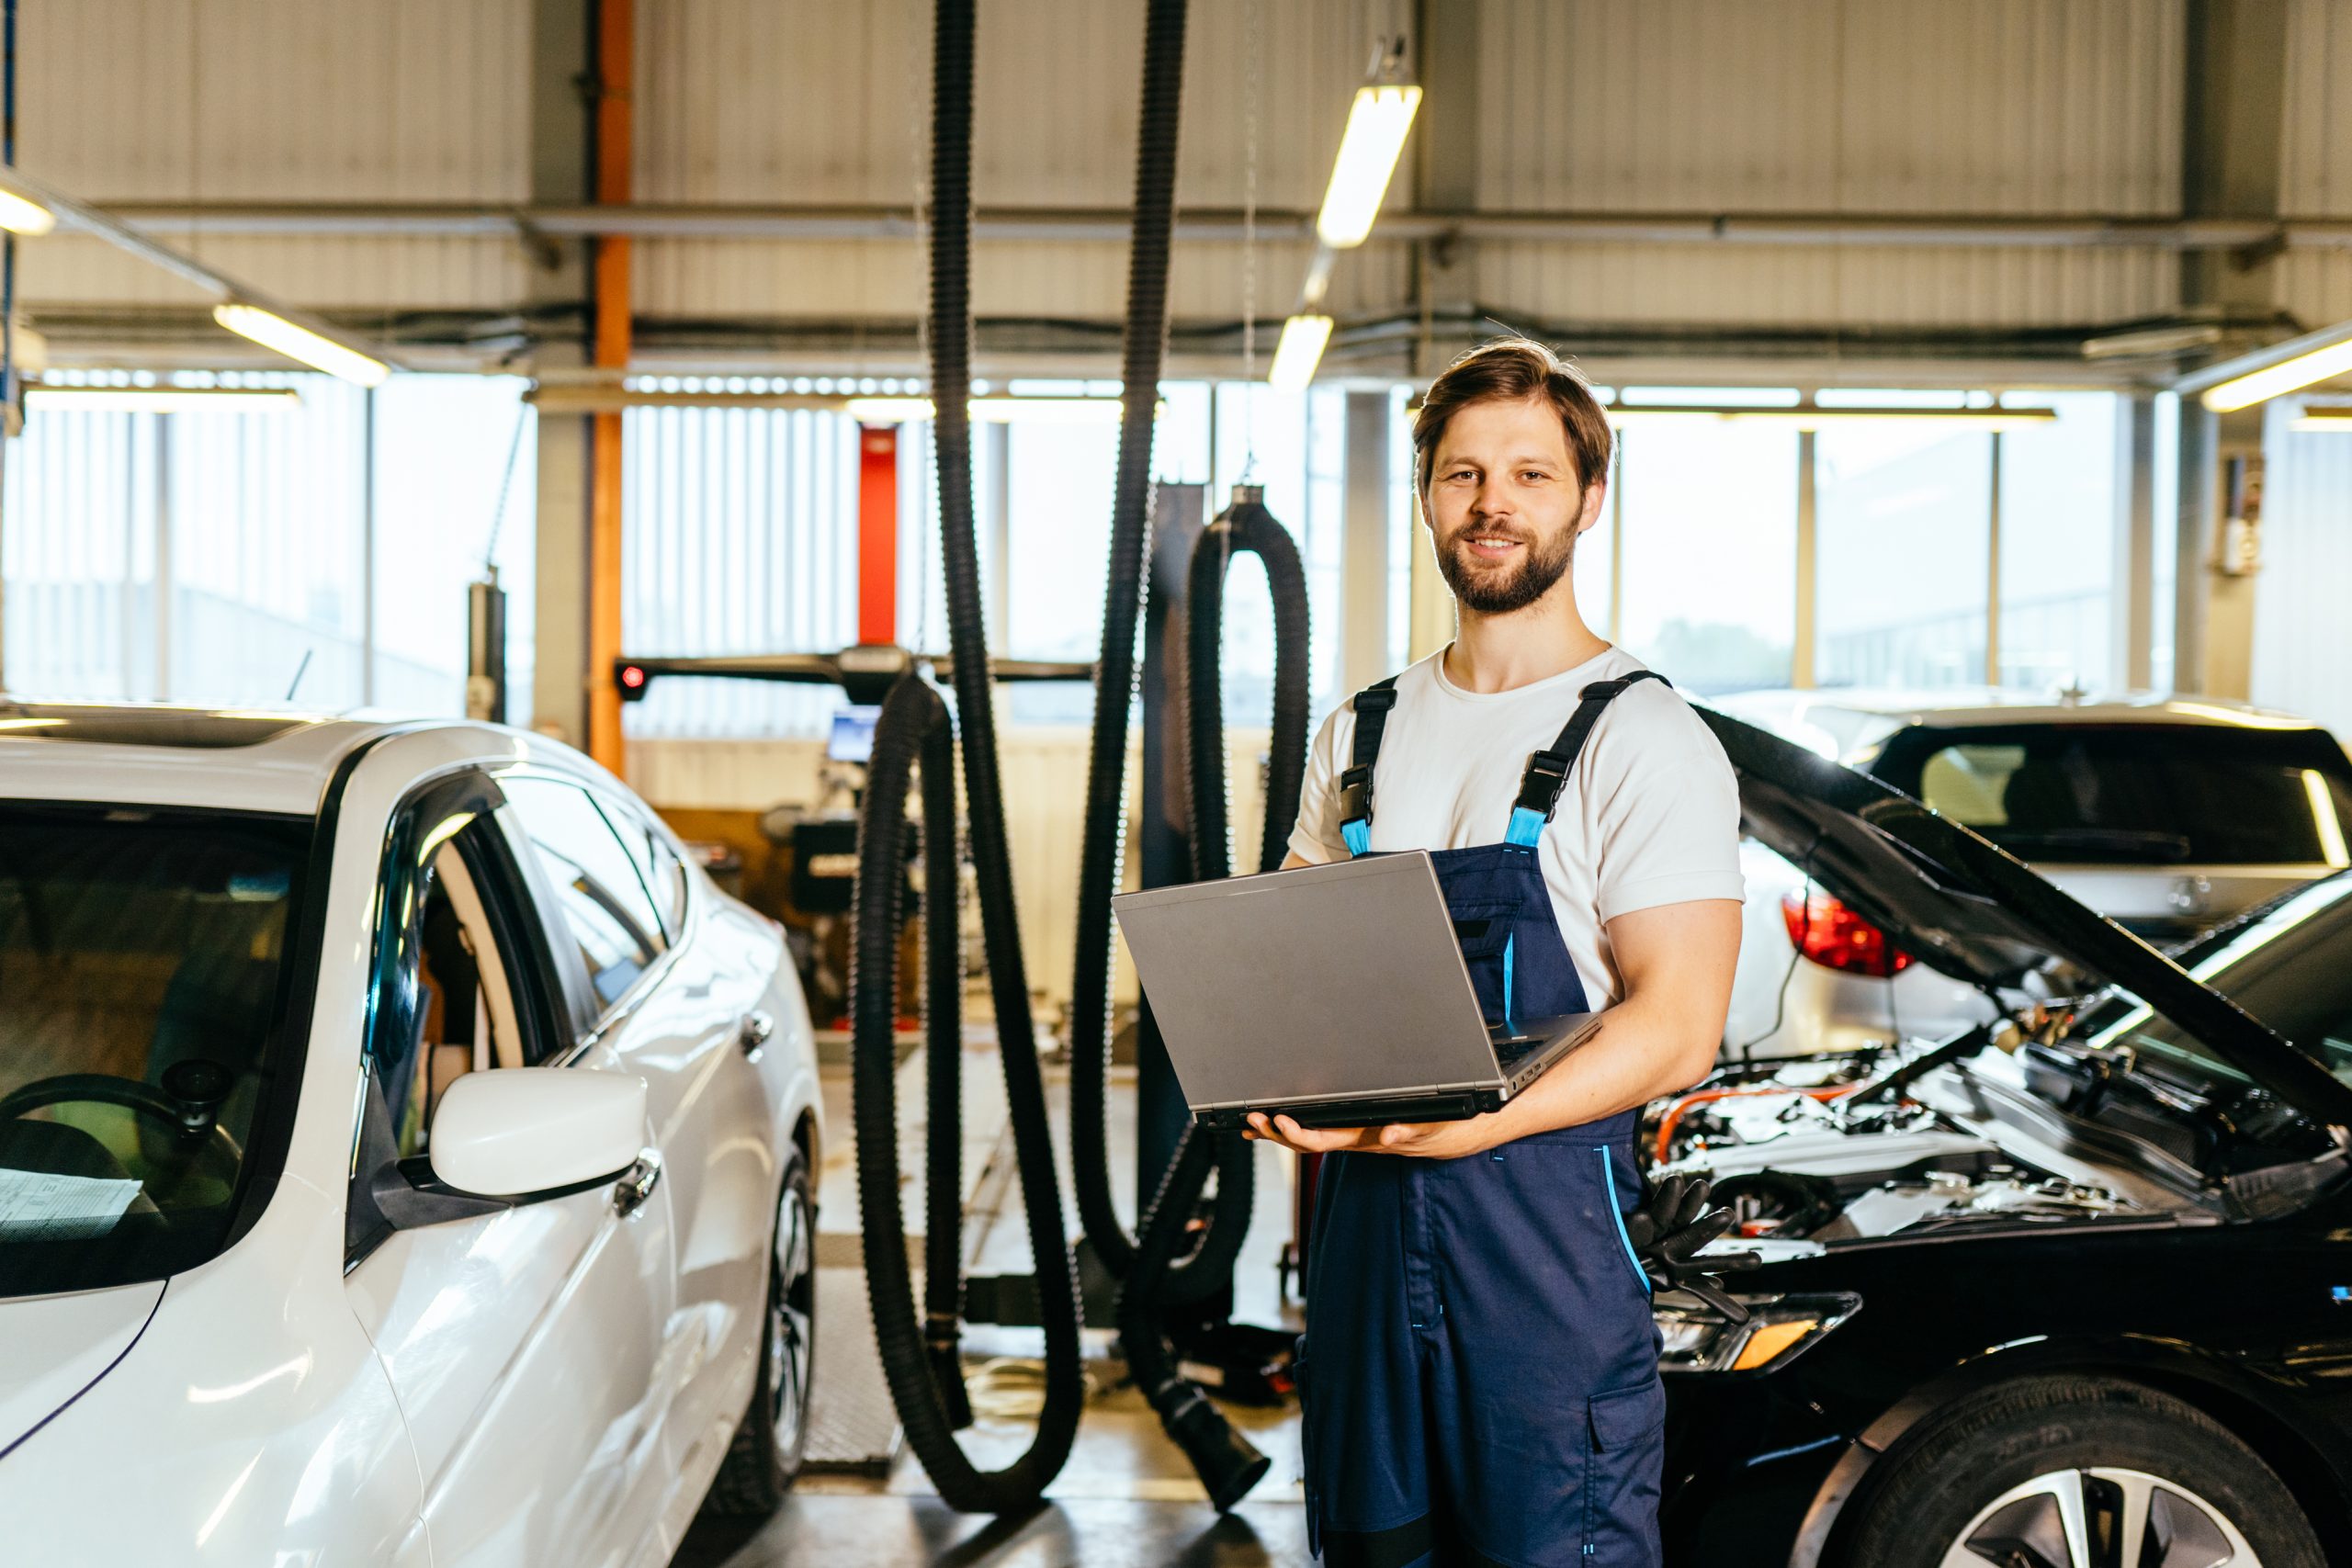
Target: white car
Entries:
(2168, 815)
(404, 1153)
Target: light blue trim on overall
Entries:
(1609, 1189)
(1357, 836)
(1526, 826)
(1511, 1018)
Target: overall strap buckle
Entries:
(1372, 706)
(1547, 770)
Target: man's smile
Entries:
(1492, 546)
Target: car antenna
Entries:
(299, 670)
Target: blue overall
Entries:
(1479, 1374)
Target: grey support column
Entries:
(561, 125)
(1445, 34)
(1802, 673)
(2132, 615)
(1365, 567)
(2236, 56)
(1993, 567)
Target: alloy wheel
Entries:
(792, 1289)
(2100, 1517)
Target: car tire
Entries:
(2027, 1475)
(765, 1458)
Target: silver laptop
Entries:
(1333, 993)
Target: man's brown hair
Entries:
(1513, 369)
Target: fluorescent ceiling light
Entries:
(1821, 419)
(163, 400)
(1298, 352)
(1377, 122)
(23, 214)
(2267, 373)
(295, 341)
(2335, 421)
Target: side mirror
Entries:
(517, 1131)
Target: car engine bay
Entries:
(1992, 1130)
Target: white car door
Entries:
(717, 1128)
(683, 994)
(524, 1345)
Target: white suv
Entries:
(2164, 813)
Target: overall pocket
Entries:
(1486, 935)
(1627, 1432)
(1610, 1190)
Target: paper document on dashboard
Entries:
(37, 1206)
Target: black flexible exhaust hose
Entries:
(921, 1368)
(1246, 527)
(942, 1014)
(1228, 1463)
(910, 725)
(1146, 344)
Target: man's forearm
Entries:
(1646, 1047)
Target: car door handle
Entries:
(754, 1033)
(636, 1183)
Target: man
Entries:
(1479, 1374)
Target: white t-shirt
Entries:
(1650, 814)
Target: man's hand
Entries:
(1426, 1140)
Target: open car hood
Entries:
(1967, 909)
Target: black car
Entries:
(2071, 1289)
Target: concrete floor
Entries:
(1126, 1497)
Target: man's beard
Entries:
(1492, 593)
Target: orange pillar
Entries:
(614, 50)
(877, 534)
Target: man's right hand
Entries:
(1309, 1140)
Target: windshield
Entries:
(2289, 966)
(143, 1001)
(2160, 794)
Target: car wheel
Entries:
(2075, 1472)
(765, 1456)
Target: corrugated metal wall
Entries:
(2315, 155)
(1997, 107)
(2008, 108)
(266, 101)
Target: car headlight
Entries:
(1778, 1327)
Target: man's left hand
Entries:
(1426, 1140)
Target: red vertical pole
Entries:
(877, 534)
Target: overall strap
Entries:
(1372, 706)
(1547, 770)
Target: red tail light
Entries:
(1831, 934)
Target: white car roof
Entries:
(1851, 718)
(242, 758)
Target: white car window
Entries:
(601, 894)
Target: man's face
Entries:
(1505, 504)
